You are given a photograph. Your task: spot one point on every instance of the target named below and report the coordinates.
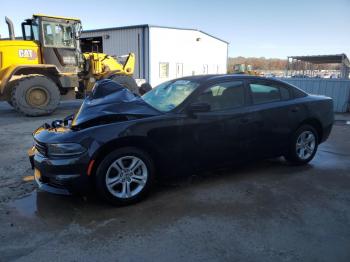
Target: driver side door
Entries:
(220, 133)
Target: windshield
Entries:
(169, 95)
(58, 35)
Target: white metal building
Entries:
(162, 53)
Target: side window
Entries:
(58, 35)
(30, 31)
(27, 31)
(265, 93)
(35, 29)
(48, 35)
(285, 95)
(163, 70)
(298, 93)
(223, 96)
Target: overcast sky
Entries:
(270, 28)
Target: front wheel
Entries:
(35, 95)
(125, 176)
(303, 145)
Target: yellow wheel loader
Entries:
(244, 69)
(47, 65)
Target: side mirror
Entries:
(198, 108)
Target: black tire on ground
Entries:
(9, 87)
(126, 81)
(102, 171)
(292, 156)
(35, 95)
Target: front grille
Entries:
(41, 148)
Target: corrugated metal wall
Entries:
(338, 89)
(121, 42)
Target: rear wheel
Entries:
(303, 145)
(128, 82)
(125, 176)
(35, 95)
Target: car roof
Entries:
(213, 77)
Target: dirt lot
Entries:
(266, 211)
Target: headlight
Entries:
(66, 149)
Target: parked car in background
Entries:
(300, 76)
(270, 75)
(334, 76)
(119, 142)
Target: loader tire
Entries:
(128, 82)
(8, 89)
(35, 95)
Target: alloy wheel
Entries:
(126, 177)
(305, 145)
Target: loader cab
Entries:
(59, 40)
(30, 30)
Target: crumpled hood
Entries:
(109, 101)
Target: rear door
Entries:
(271, 101)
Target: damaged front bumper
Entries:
(64, 175)
(60, 176)
(58, 159)
(47, 187)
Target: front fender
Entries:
(9, 72)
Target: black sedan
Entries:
(119, 142)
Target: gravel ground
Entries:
(264, 211)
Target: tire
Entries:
(303, 145)
(35, 95)
(126, 81)
(8, 89)
(109, 172)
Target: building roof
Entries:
(324, 59)
(148, 25)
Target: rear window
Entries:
(298, 93)
(263, 92)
